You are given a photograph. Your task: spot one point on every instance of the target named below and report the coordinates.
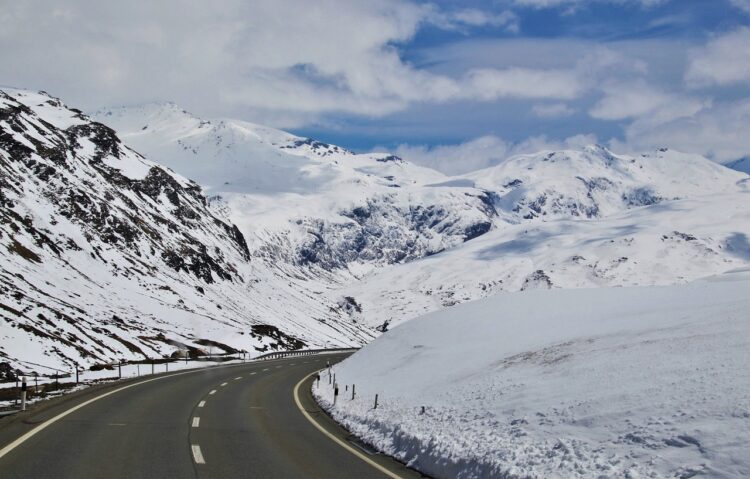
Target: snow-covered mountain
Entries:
(574, 219)
(550, 219)
(108, 255)
(304, 202)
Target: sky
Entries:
(453, 85)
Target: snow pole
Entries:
(353, 386)
(335, 393)
(23, 393)
(376, 402)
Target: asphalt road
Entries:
(223, 422)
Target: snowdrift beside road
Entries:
(616, 382)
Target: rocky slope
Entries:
(107, 255)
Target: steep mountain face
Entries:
(307, 203)
(580, 219)
(108, 255)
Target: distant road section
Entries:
(224, 422)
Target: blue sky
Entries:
(454, 85)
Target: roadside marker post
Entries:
(335, 393)
(76, 366)
(119, 370)
(23, 393)
(353, 386)
(376, 402)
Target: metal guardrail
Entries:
(305, 352)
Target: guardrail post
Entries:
(23, 393)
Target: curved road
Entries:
(221, 422)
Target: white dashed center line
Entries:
(238, 378)
(197, 454)
(212, 392)
(202, 403)
(224, 384)
(196, 422)
(277, 367)
(265, 369)
(252, 373)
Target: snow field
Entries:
(610, 382)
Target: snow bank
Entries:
(624, 382)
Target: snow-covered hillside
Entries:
(607, 382)
(304, 202)
(554, 230)
(551, 219)
(107, 255)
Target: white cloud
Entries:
(723, 61)
(483, 152)
(718, 132)
(266, 59)
(490, 84)
(637, 100)
(578, 3)
(472, 17)
(552, 110)
(742, 4)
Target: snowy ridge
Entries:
(107, 255)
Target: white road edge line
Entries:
(202, 403)
(196, 422)
(53, 420)
(197, 454)
(334, 438)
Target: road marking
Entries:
(334, 438)
(252, 373)
(212, 392)
(116, 424)
(202, 403)
(196, 422)
(224, 384)
(292, 364)
(277, 367)
(197, 454)
(238, 378)
(265, 369)
(53, 420)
